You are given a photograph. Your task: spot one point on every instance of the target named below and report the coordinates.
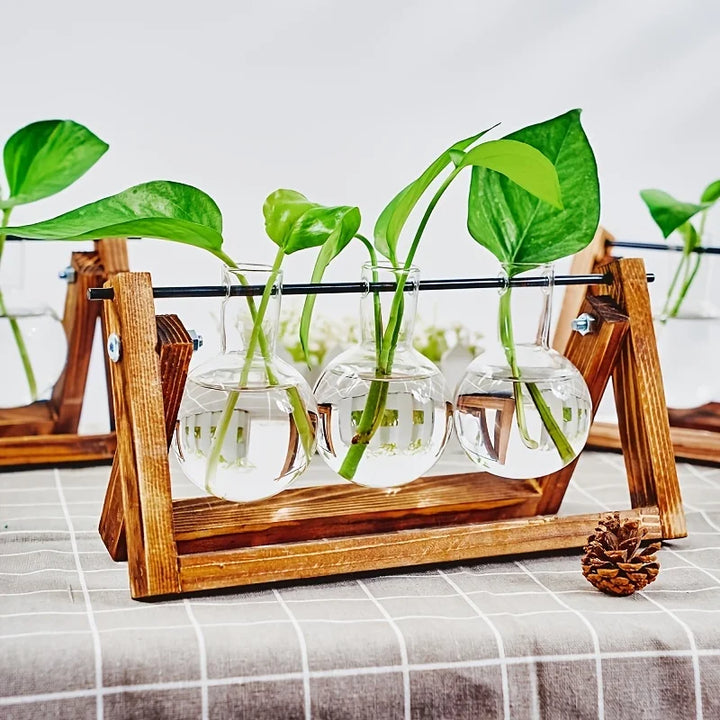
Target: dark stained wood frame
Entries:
(695, 432)
(45, 433)
(179, 546)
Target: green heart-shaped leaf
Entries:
(158, 209)
(281, 210)
(519, 227)
(45, 157)
(392, 219)
(667, 212)
(317, 225)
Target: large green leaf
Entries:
(317, 225)
(281, 210)
(159, 209)
(45, 157)
(342, 234)
(520, 162)
(667, 212)
(518, 227)
(392, 219)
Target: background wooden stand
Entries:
(201, 543)
(46, 432)
(695, 432)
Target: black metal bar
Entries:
(662, 246)
(198, 291)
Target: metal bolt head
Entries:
(583, 323)
(197, 340)
(113, 347)
(68, 274)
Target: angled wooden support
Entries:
(202, 543)
(46, 432)
(694, 433)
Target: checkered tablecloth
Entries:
(523, 637)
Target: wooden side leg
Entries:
(175, 350)
(142, 439)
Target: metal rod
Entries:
(662, 246)
(198, 291)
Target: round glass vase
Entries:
(687, 327)
(522, 410)
(246, 426)
(33, 345)
(385, 415)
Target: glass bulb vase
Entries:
(33, 345)
(246, 426)
(522, 410)
(385, 415)
(687, 327)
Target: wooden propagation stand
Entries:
(46, 432)
(178, 546)
(695, 433)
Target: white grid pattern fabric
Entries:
(522, 637)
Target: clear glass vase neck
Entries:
(380, 311)
(250, 322)
(527, 308)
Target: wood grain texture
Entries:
(26, 421)
(175, 349)
(595, 356)
(79, 320)
(346, 509)
(706, 417)
(45, 432)
(583, 263)
(113, 256)
(54, 450)
(640, 402)
(402, 548)
(688, 444)
(142, 440)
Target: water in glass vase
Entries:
(261, 450)
(486, 416)
(411, 429)
(246, 426)
(44, 342)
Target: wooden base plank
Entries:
(203, 524)
(49, 450)
(402, 548)
(688, 444)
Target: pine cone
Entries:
(614, 560)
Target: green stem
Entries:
(668, 299)
(554, 430)
(508, 342)
(688, 281)
(14, 326)
(257, 339)
(372, 414)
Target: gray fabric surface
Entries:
(516, 638)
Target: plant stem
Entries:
(14, 326)
(372, 414)
(257, 339)
(508, 342)
(554, 430)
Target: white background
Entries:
(347, 102)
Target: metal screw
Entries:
(113, 347)
(583, 323)
(68, 274)
(197, 340)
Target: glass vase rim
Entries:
(252, 267)
(389, 267)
